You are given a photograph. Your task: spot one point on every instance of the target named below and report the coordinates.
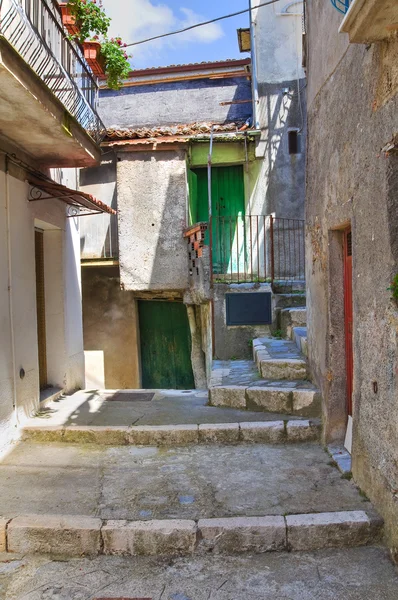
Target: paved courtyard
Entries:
(126, 408)
(353, 574)
(135, 483)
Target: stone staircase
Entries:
(175, 476)
(281, 384)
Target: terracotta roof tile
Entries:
(185, 130)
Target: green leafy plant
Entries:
(277, 333)
(394, 288)
(91, 17)
(117, 66)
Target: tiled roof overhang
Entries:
(84, 204)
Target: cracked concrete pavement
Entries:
(135, 483)
(354, 574)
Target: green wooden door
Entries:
(228, 211)
(165, 346)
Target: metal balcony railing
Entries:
(342, 5)
(34, 29)
(254, 249)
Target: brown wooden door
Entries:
(348, 316)
(41, 308)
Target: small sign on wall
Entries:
(249, 308)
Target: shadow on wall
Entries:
(280, 184)
(99, 233)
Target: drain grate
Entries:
(129, 397)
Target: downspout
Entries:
(209, 165)
(10, 288)
(254, 67)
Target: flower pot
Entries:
(68, 20)
(92, 54)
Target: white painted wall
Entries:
(278, 37)
(63, 301)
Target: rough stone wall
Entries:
(181, 102)
(111, 327)
(349, 181)
(152, 213)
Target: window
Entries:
(294, 142)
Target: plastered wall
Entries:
(350, 181)
(18, 324)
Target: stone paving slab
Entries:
(351, 574)
(194, 482)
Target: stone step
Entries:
(289, 300)
(300, 339)
(271, 432)
(87, 499)
(279, 360)
(296, 398)
(292, 317)
(79, 535)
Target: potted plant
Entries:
(69, 20)
(117, 66)
(91, 18)
(94, 57)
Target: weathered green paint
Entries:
(226, 153)
(165, 346)
(228, 203)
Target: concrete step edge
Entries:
(78, 535)
(301, 402)
(180, 435)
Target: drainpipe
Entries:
(209, 161)
(254, 67)
(10, 288)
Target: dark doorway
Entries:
(165, 346)
(348, 316)
(41, 308)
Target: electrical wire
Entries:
(240, 12)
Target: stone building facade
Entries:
(352, 237)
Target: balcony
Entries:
(47, 91)
(248, 249)
(368, 21)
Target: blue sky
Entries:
(139, 19)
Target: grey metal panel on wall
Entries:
(249, 309)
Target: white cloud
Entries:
(134, 20)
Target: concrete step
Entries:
(89, 500)
(279, 359)
(295, 398)
(300, 339)
(292, 317)
(79, 535)
(270, 432)
(290, 300)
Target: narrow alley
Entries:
(198, 300)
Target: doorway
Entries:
(165, 345)
(348, 326)
(41, 308)
(228, 214)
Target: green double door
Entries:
(228, 212)
(165, 345)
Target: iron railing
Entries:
(259, 248)
(342, 5)
(34, 29)
(99, 237)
